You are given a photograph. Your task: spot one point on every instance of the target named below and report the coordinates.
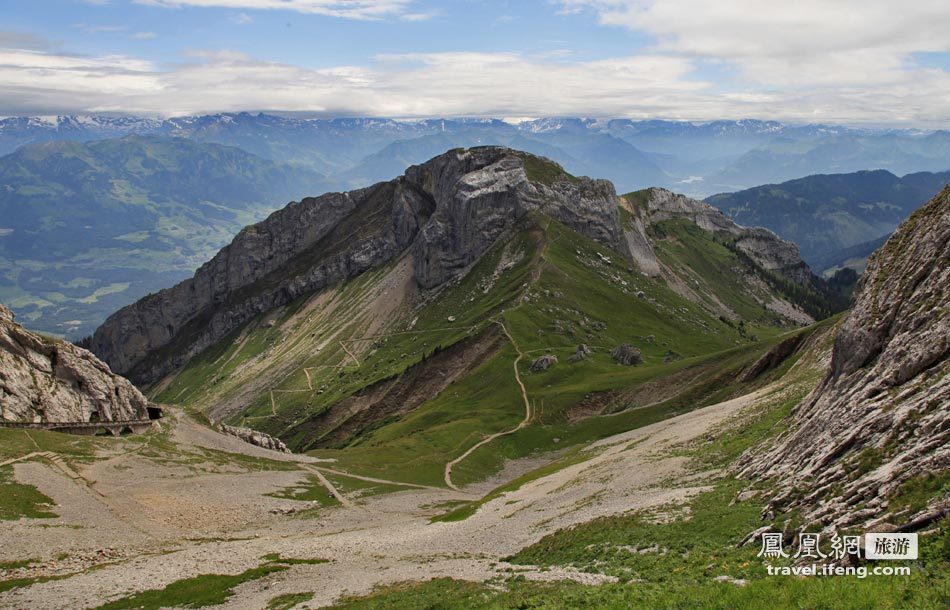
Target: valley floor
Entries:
(156, 509)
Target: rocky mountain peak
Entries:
(447, 212)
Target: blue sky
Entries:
(848, 61)
(314, 40)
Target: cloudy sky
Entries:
(875, 62)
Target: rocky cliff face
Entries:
(44, 380)
(480, 193)
(447, 212)
(881, 417)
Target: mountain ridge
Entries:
(443, 215)
(701, 158)
(448, 240)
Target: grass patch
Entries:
(18, 563)
(22, 501)
(679, 550)
(920, 591)
(196, 592)
(16, 583)
(311, 491)
(288, 600)
(17, 443)
(914, 494)
(544, 171)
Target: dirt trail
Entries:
(53, 458)
(376, 480)
(447, 476)
(333, 491)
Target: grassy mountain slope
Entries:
(88, 227)
(324, 372)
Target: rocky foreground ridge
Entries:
(45, 380)
(446, 212)
(880, 419)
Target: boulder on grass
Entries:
(626, 355)
(543, 363)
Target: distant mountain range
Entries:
(833, 217)
(698, 159)
(86, 227)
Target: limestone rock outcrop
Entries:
(255, 437)
(47, 380)
(881, 416)
(447, 212)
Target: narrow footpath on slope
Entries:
(524, 422)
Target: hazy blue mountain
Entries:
(603, 155)
(786, 158)
(586, 154)
(328, 146)
(830, 213)
(717, 139)
(88, 227)
(393, 159)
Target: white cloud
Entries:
(45, 83)
(417, 16)
(805, 42)
(663, 85)
(143, 36)
(99, 29)
(349, 9)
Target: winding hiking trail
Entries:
(524, 422)
(535, 276)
